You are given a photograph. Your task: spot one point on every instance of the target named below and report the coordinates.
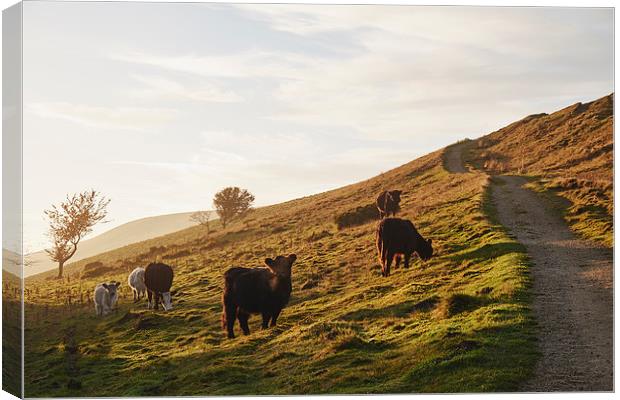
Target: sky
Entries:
(160, 105)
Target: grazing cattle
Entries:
(398, 237)
(158, 280)
(105, 297)
(260, 290)
(388, 203)
(136, 283)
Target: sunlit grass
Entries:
(458, 322)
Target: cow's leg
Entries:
(274, 317)
(407, 259)
(157, 300)
(243, 321)
(150, 297)
(97, 310)
(388, 263)
(266, 317)
(229, 315)
(135, 294)
(397, 261)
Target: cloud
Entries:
(160, 88)
(244, 64)
(126, 118)
(416, 70)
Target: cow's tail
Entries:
(228, 306)
(381, 245)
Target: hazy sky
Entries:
(161, 105)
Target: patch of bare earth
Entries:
(572, 293)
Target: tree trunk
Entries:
(61, 265)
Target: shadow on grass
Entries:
(399, 310)
(489, 251)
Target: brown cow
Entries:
(398, 237)
(260, 290)
(158, 280)
(388, 203)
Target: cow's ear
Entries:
(430, 241)
(105, 285)
(269, 262)
(118, 284)
(293, 257)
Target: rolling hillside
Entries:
(569, 156)
(123, 235)
(460, 322)
(456, 323)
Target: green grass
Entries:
(457, 323)
(588, 210)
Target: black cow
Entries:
(260, 290)
(388, 203)
(158, 280)
(398, 237)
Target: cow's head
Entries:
(396, 195)
(166, 301)
(112, 289)
(425, 249)
(282, 265)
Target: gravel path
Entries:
(572, 287)
(453, 161)
(573, 293)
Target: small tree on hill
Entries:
(202, 218)
(231, 203)
(70, 221)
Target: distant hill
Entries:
(131, 232)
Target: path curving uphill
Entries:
(572, 289)
(453, 158)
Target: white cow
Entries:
(106, 296)
(136, 283)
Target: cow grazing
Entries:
(263, 290)
(398, 237)
(158, 280)
(105, 297)
(136, 283)
(388, 203)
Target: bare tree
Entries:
(202, 218)
(70, 221)
(231, 203)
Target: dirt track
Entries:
(453, 159)
(572, 288)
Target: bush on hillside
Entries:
(357, 216)
(96, 268)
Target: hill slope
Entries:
(123, 235)
(569, 155)
(459, 322)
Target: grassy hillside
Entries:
(458, 323)
(569, 156)
(11, 326)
